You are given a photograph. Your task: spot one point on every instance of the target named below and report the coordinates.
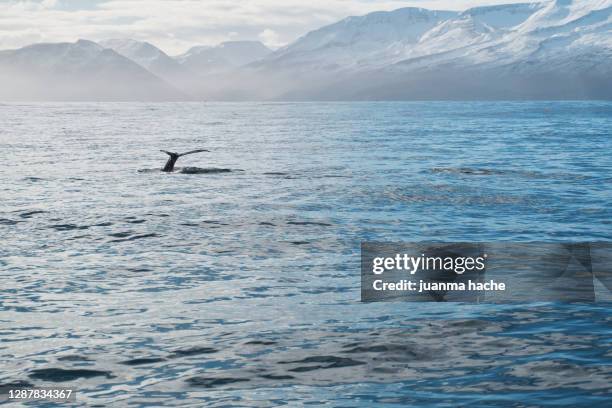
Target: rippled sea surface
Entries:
(143, 288)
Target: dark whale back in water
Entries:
(199, 170)
(169, 166)
(174, 157)
(192, 170)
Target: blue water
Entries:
(242, 289)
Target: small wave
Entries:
(142, 361)
(68, 227)
(73, 357)
(212, 382)
(474, 171)
(33, 179)
(6, 221)
(320, 224)
(29, 214)
(139, 270)
(121, 234)
(280, 174)
(61, 375)
(135, 237)
(468, 171)
(322, 362)
(213, 222)
(277, 377)
(193, 351)
(331, 176)
(260, 342)
(4, 388)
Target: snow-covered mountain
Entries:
(550, 49)
(562, 50)
(145, 54)
(82, 70)
(204, 60)
(153, 59)
(556, 27)
(357, 41)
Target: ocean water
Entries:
(142, 288)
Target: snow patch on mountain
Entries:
(456, 33)
(558, 13)
(503, 16)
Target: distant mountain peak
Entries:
(224, 56)
(141, 52)
(128, 42)
(153, 59)
(86, 43)
(80, 43)
(353, 41)
(83, 70)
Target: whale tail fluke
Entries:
(174, 157)
(193, 151)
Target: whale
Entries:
(169, 166)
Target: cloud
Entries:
(176, 25)
(48, 4)
(270, 38)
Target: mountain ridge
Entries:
(552, 49)
(83, 70)
(529, 49)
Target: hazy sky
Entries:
(176, 25)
